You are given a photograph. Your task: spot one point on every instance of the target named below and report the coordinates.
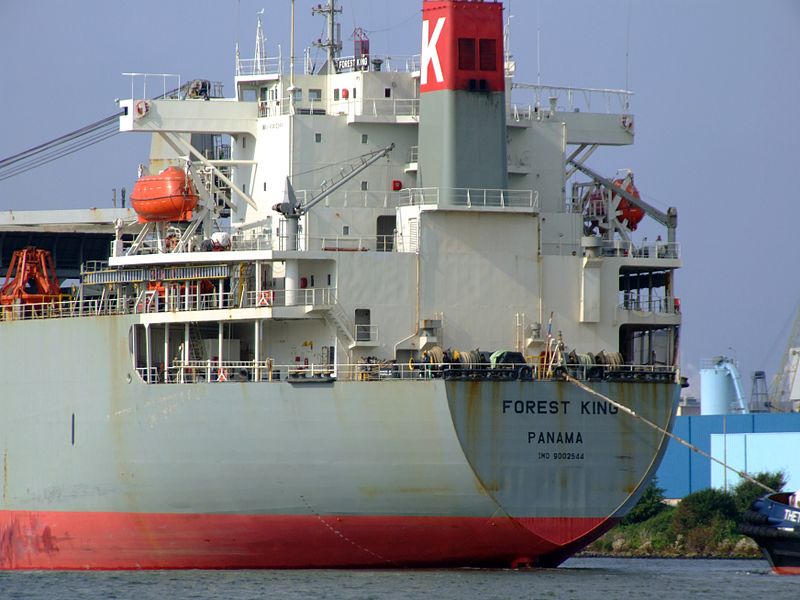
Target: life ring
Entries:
(141, 107)
(265, 298)
(223, 375)
(411, 364)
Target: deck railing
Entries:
(568, 99)
(666, 305)
(279, 65)
(471, 198)
(358, 107)
(172, 298)
(216, 371)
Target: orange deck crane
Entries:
(31, 278)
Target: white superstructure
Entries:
(492, 269)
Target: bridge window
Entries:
(488, 52)
(466, 54)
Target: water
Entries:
(578, 578)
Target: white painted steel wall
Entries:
(754, 453)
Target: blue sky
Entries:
(716, 102)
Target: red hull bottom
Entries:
(65, 540)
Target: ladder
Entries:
(197, 350)
(240, 284)
(336, 318)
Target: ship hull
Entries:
(104, 541)
(771, 522)
(103, 471)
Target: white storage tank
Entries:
(721, 388)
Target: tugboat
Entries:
(774, 523)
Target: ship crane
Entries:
(293, 210)
(86, 136)
(780, 395)
(31, 278)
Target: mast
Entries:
(333, 45)
(291, 53)
(261, 54)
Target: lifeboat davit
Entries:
(625, 210)
(168, 196)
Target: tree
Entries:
(704, 508)
(650, 504)
(746, 492)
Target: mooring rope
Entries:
(678, 439)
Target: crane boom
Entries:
(783, 381)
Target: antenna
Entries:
(332, 46)
(627, 49)
(291, 54)
(538, 45)
(238, 6)
(507, 34)
(261, 53)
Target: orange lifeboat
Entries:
(168, 196)
(625, 210)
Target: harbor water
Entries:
(578, 578)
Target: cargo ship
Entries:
(346, 329)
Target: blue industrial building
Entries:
(749, 442)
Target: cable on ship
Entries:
(678, 439)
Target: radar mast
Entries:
(333, 45)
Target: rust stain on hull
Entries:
(25, 539)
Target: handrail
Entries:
(216, 371)
(471, 197)
(171, 298)
(644, 249)
(568, 98)
(279, 65)
(353, 107)
(666, 305)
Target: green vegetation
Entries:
(702, 524)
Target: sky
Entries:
(716, 86)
